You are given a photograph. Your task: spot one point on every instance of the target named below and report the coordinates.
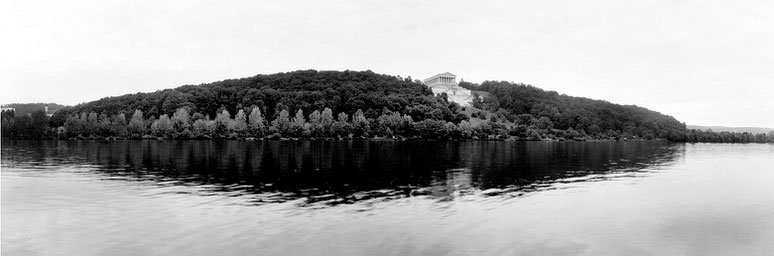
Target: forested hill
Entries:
(308, 90)
(379, 106)
(520, 102)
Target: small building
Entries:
(45, 110)
(447, 83)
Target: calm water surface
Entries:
(386, 198)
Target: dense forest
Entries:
(350, 105)
(520, 103)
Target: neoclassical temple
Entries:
(447, 82)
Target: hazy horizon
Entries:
(707, 63)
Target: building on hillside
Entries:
(447, 83)
(45, 110)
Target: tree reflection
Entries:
(335, 172)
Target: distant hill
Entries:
(28, 108)
(754, 130)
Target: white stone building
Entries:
(447, 82)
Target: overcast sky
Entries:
(703, 62)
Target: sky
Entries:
(703, 62)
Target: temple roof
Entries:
(444, 74)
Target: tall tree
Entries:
(137, 124)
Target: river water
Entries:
(386, 198)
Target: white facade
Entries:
(447, 83)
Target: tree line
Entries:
(695, 135)
(252, 123)
(32, 126)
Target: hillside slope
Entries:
(521, 102)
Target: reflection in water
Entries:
(391, 198)
(335, 172)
